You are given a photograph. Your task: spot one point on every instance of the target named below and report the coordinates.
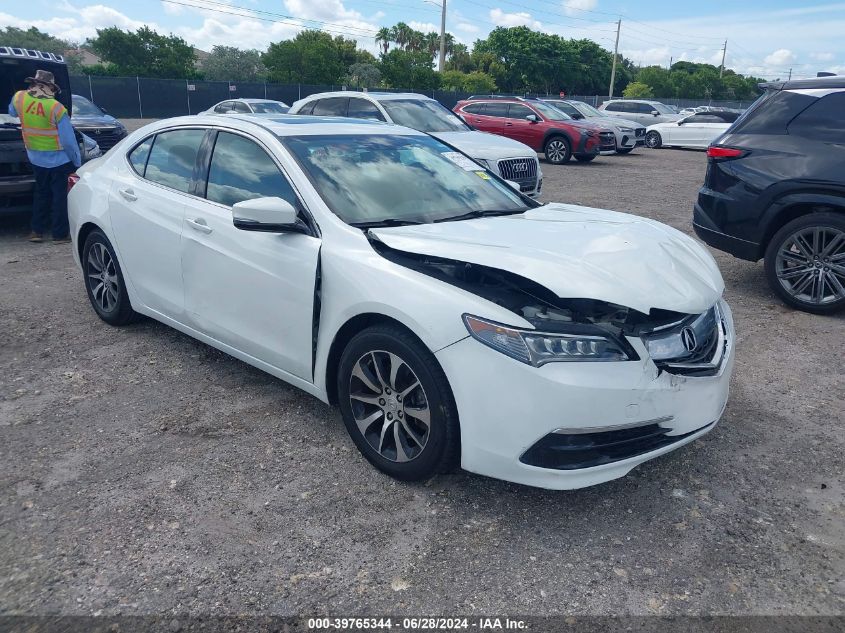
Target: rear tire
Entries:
(805, 263)
(585, 158)
(397, 404)
(653, 140)
(104, 281)
(558, 150)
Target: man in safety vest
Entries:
(52, 149)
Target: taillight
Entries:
(72, 179)
(725, 153)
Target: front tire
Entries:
(397, 404)
(557, 150)
(104, 281)
(653, 140)
(585, 158)
(805, 263)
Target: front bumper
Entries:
(507, 407)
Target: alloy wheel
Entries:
(810, 265)
(556, 151)
(102, 277)
(652, 140)
(390, 406)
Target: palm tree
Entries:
(401, 34)
(383, 38)
(415, 40)
(431, 43)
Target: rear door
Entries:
(488, 117)
(250, 290)
(147, 206)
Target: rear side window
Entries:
(173, 157)
(824, 120)
(138, 156)
(241, 170)
(334, 106)
(363, 109)
(772, 116)
(474, 108)
(496, 109)
(616, 106)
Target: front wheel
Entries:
(557, 150)
(653, 140)
(805, 263)
(585, 158)
(397, 405)
(104, 281)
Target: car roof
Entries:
(634, 101)
(250, 100)
(833, 82)
(373, 96)
(296, 124)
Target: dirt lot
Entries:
(143, 472)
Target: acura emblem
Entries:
(688, 339)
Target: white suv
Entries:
(509, 159)
(643, 112)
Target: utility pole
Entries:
(615, 53)
(671, 59)
(722, 67)
(790, 75)
(442, 60)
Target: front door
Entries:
(147, 205)
(518, 127)
(250, 290)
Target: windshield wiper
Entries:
(478, 213)
(385, 222)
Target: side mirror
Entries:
(681, 122)
(533, 118)
(268, 215)
(515, 185)
(654, 113)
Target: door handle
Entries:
(200, 225)
(508, 124)
(128, 194)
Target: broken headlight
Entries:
(538, 348)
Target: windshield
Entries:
(368, 179)
(269, 107)
(550, 112)
(83, 107)
(587, 110)
(423, 115)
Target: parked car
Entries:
(695, 131)
(542, 127)
(249, 106)
(507, 158)
(451, 318)
(94, 121)
(17, 181)
(643, 112)
(775, 189)
(629, 134)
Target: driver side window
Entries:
(241, 170)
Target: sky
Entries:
(765, 38)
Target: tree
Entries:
(144, 53)
(409, 69)
(40, 41)
(312, 57)
(460, 59)
(637, 90)
(227, 63)
(383, 38)
(479, 82)
(363, 75)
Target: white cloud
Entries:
(823, 57)
(424, 27)
(573, 7)
(500, 18)
(780, 57)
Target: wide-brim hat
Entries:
(44, 77)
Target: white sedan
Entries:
(696, 131)
(452, 319)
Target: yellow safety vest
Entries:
(39, 121)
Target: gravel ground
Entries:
(142, 472)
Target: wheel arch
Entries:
(793, 206)
(82, 235)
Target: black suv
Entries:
(775, 188)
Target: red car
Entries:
(539, 125)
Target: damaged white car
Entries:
(453, 320)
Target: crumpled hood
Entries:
(487, 146)
(578, 252)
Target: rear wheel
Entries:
(104, 281)
(585, 158)
(397, 405)
(805, 263)
(653, 140)
(557, 150)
